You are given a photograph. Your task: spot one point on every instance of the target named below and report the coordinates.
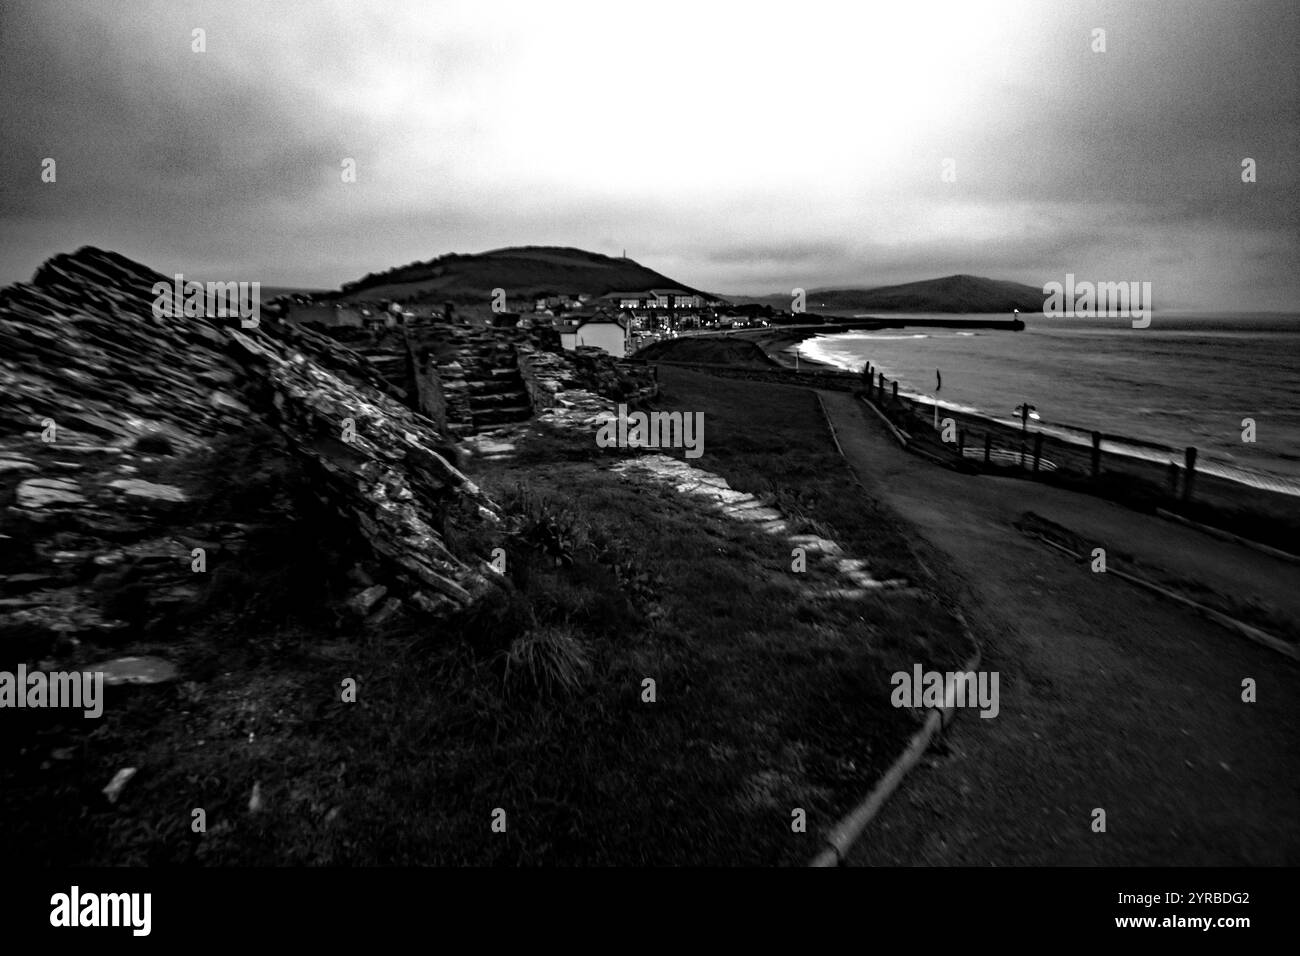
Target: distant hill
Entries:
(959, 293)
(271, 291)
(524, 272)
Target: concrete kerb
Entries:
(1228, 536)
(845, 833)
(831, 425)
(849, 829)
(1241, 627)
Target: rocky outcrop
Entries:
(97, 389)
(381, 469)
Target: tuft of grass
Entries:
(489, 625)
(545, 661)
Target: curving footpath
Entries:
(1111, 697)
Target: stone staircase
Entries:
(493, 386)
(388, 358)
(466, 379)
(385, 352)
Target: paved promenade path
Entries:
(1111, 696)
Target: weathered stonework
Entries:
(95, 386)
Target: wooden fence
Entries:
(1169, 477)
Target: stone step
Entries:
(490, 373)
(493, 386)
(498, 416)
(499, 399)
(382, 353)
(481, 356)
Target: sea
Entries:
(1188, 379)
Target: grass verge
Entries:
(769, 695)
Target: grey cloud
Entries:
(229, 160)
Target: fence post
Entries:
(1038, 449)
(895, 384)
(1189, 458)
(988, 446)
(1096, 455)
(961, 443)
(1173, 479)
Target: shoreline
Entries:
(778, 344)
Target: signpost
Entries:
(1025, 411)
(938, 384)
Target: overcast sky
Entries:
(737, 147)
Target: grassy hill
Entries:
(523, 271)
(958, 293)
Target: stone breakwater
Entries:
(96, 386)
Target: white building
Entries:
(602, 331)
